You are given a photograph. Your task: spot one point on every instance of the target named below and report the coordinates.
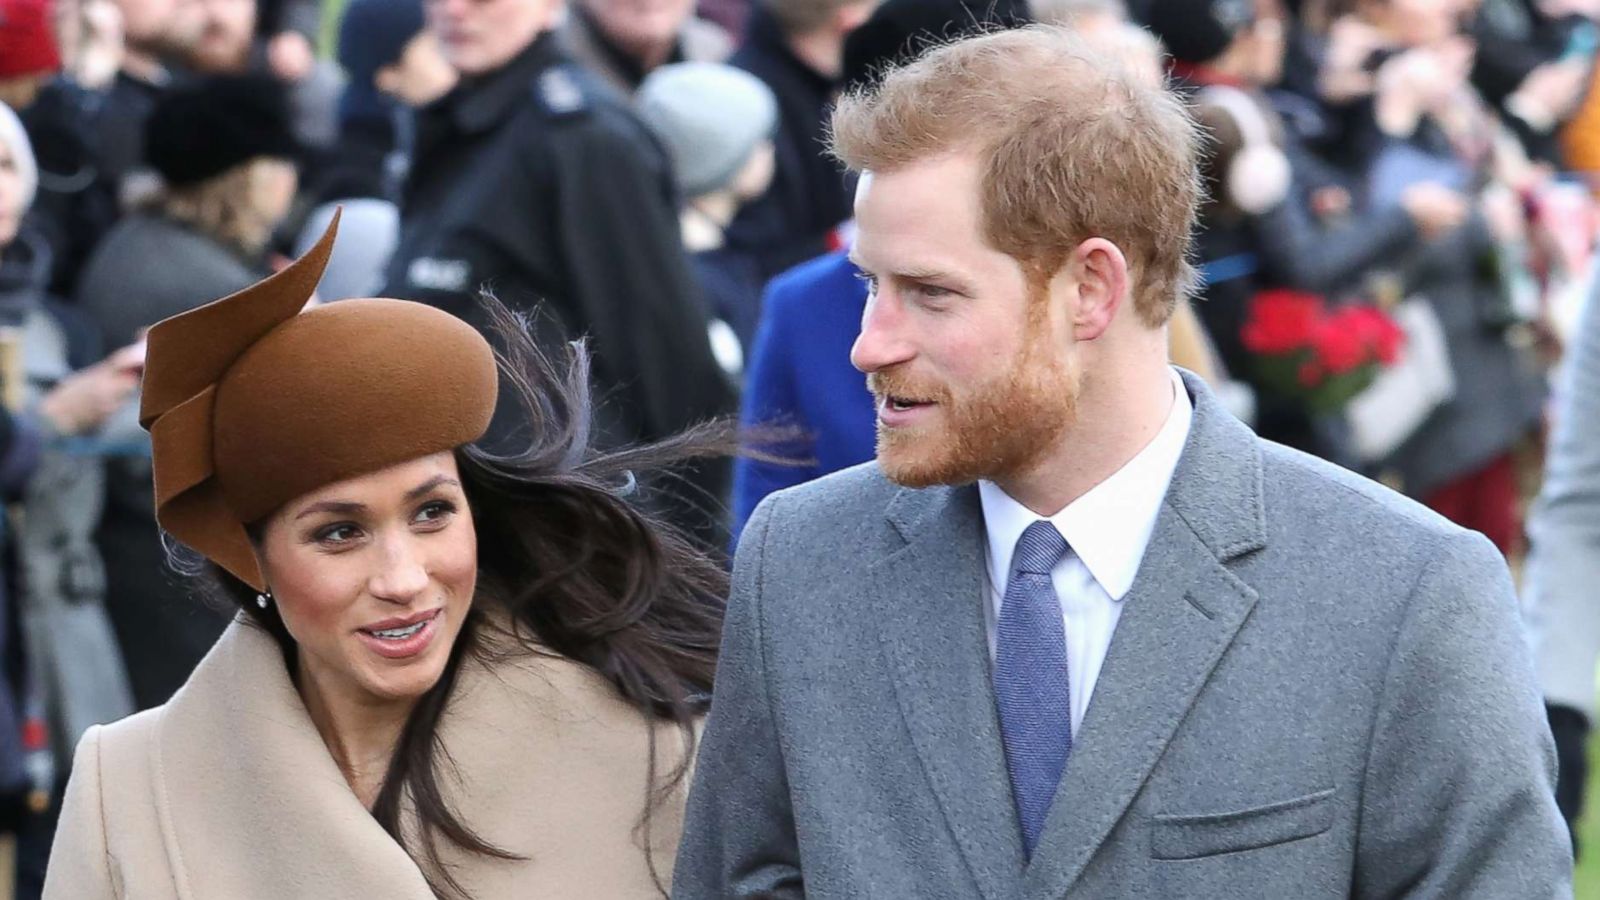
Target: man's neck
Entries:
(641, 58)
(654, 56)
(822, 51)
(1115, 421)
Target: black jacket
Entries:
(810, 195)
(538, 183)
(1287, 246)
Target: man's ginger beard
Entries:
(991, 431)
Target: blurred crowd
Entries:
(655, 176)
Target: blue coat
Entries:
(800, 375)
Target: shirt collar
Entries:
(1109, 527)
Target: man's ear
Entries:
(1099, 274)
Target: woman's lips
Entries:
(418, 636)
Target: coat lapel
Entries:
(244, 782)
(930, 617)
(1180, 617)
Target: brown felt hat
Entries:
(251, 403)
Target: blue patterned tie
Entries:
(1030, 678)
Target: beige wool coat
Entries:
(227, 792)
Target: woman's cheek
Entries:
(315, 596)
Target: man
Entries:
(534, 180)
(799, 375)
(1078, 633)
(228, 45)
(155, 31)
(623, 41)
(89, 139)
(797, 48)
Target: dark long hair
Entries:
(583, 570)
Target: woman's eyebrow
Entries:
(351, 508)
(436, 481)
(338, 507)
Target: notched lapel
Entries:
(1182, 614)
(930, 617)
(1179, 619)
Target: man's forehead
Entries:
(907, 219)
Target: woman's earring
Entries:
(263, 599)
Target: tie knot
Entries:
(1038, 550)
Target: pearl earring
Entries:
(263, 599)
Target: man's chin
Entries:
(912, 468)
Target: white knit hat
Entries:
(15, 139)
(711, 117)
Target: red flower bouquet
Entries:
(1322, 358)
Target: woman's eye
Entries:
(342, 533)
(435, 513)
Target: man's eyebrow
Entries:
(925, 274)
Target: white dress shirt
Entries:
(1108, 529)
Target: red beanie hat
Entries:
(27, 39)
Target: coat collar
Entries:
(1181, 614)
(478, 105)
(232, 816)
(243, 781)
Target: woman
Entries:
(1425, 124)
(59, 664)
(456, 675)
(224, 149)
(63, 393)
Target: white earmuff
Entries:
(1259, 176)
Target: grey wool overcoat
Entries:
(1317, 689)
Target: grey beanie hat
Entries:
(711, 118)
(15, 137)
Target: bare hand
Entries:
(103, 48)
(84, 400)
(1330, 201)
(1555, 88)
(290, 56)
(1351, 42)
(1502, 212)
(1435, 209)
(1560, 9)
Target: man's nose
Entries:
(882, 342)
